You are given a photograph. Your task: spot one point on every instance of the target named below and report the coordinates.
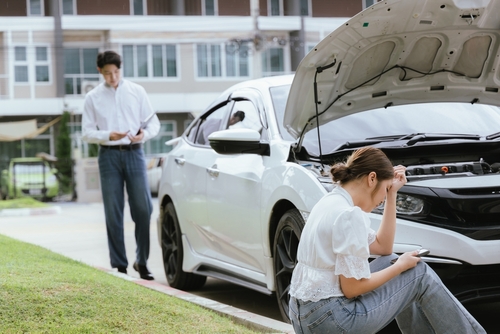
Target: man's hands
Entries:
(115, 135)
(136, 138)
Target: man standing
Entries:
(112, 117)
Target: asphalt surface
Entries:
(77, 231)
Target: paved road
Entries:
(78, 232)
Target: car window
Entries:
(211, 123)
(244, 115)
(191, 136)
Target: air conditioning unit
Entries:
(88, 85)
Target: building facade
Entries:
(184, 53)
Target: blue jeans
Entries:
(118, 169)
(417, 299)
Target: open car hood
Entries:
(399, 52)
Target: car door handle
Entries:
(180, 161)
(213, 171)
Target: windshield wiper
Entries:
(417, 137)
(493, 136)
(360, 143)
(368, 141)
(389, 138)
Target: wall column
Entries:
(58, 47)
(177, 7)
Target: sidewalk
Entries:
(78, 231)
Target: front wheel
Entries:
(171, 245)
(286, 243)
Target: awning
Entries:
(12, 131)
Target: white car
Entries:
(153, 173)
(417, 79)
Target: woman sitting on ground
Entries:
(335, 289)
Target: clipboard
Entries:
(145, 122)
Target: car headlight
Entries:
(405, 205)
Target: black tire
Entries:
(171, 245)
(286, 243)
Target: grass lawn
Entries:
(44, 292)
(25, 202)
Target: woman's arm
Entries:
(352, 287)
(384, 241)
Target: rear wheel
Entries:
(171, 245)
(286, 243)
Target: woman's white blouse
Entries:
(335, 241)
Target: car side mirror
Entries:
(238, 141)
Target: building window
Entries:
(157, 145)
(237, 62)
(135, 61)
(29, 61)
(156, 61)
(209, 7)
(138, 7)
(79, 65)
(209, 62)
(164, 61)
(42, 64)
(304, 7)
(21, 64)
(368, 3)
(273, 62)
(187, 122)
(275, 7)
(211, 57)
(35, 7)
(68, 7)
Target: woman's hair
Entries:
(107, 58)
(361, 163)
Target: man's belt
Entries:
(128, 147)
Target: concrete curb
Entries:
(31, 211)
(250, 320)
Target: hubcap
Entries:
(285, 263)
(169, 246)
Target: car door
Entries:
(189, 166)
(234, 198)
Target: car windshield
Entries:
(456, 119)
(396, 122)
(29, 168)
(279, 95)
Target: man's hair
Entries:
(240, 114)
(108, 58)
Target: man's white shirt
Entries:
(122, 109)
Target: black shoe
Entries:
(143, 272)
(122, 270)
